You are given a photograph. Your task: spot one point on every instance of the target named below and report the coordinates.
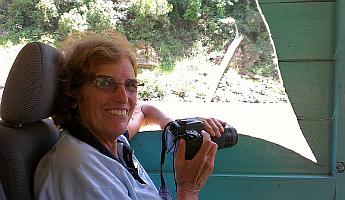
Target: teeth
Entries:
(117, 112)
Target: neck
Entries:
(111, 145)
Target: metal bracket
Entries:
(340, 167)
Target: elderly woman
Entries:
(92, 158)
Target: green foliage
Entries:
(100, 16)
(26, 20)
(151, 8)
(33, 19)
(264, 69)
(147, 20)
(249, 20)
(252, 27)
(21, 21)
(171, 27)
(217, 18)
(170, 51)
(192, 10)
(4, 7)
(22, 14)
(49, 12)
(72, 21)
(153, 88)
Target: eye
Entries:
(131, 83)
(102, 82)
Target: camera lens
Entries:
(228, 139)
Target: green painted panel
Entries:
(302, 30)
(339, 100)
(319, 138)
(309, 86)
(250, 156)
(262, 187)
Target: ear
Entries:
(77, 95)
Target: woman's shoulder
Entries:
(70, 147)
(68, 151)
(71, 153)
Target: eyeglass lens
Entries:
(110, 85)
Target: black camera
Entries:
(190, 129)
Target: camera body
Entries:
(190, 129)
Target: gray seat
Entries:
(26, 132)
(2, 193)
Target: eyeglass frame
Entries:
(115, 85)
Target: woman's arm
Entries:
(150, 115)
(146, 115)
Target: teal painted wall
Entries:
(339, 100)
(304, 34)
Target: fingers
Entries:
(209, 163)
(193, 174)
(214, 127)
(208, 147)
(206, 157)
(181, 149)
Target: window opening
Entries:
(216, 58)
(239, 74)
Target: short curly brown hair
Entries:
(83, 53)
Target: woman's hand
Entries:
(214, 127)
(191, 175)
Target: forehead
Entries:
(123, 69)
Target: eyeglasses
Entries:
(109, 85)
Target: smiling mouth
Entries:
(118, 112)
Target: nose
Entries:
(120, 93)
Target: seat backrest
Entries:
(2, 193)
(26, 132)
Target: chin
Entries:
(119, 131)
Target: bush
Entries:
(171, 27)
(101, 16)
(147, 20)
(154, 87)
(71, 22)
(23, 14)
(192, 10)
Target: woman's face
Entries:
(107, 113)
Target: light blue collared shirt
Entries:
(74, 170)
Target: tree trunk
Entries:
(216, 76)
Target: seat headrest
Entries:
(31, 85)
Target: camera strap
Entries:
(163, 190)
